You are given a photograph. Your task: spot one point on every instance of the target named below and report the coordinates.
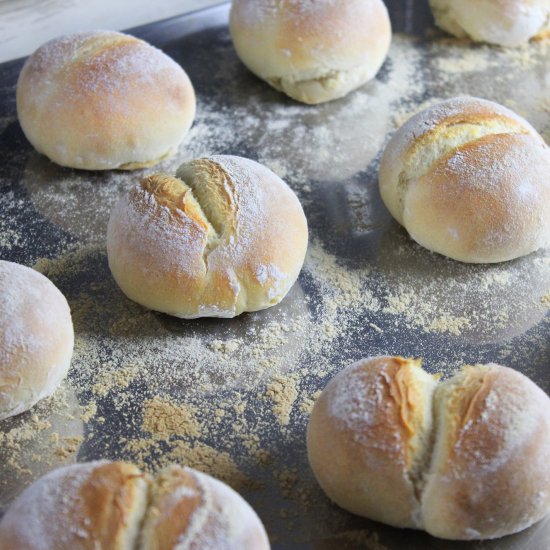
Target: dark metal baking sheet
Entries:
(48, 212)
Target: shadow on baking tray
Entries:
(383, 538)
(105, 319)
(35, 442)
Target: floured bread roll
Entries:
(112, 505)
(226, 235)
(464, 459)
(468, 178)
(312, 50)
(103, 100)
(504, 22)
(198, 511)
(36, 338)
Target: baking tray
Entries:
(231, 397)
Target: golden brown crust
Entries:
(172, 194)
(191, 510)
(112, 505)
(367, 432)
(467, 179)
(104, 100)
(167, 518)
(487, 200)
(492, 447)
(312, 51)
(376, 450)
(108, 499)
(79, 507)
(225, 236)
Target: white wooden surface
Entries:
(26, 24)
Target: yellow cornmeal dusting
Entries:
(282, 390)
(195, 455)
(110, 376)
(306, 406)
(33, 443)
(252, 444)
(164, 419)
(226, 347)
(15, 439)
(65, 446)
(89, 411)
(452, 325)
(209, 460)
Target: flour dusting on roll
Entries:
(92, 505)
(468, 178)
(36, 338)
(312, 50)
(369, 436)
(223, 236)
(115, 506)
(104, 100)
(503, 22)
(489, 475)
(195, 510)
(463, 459)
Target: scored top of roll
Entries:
(225, 235)
(115, 506)
(468, 178)
(388, 442)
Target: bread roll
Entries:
(490, 474)
(112, 505)
(468, 178)
(464, 459)
(194, 510)
(504, 22)
(36, 338)
(226, 235)
(82, 506)
(311, 51)
(103, 100)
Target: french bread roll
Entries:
(82, 506)
(193, 510)
(36, 338)
(464, 459)
(503, 22)
(104, 100)
(313, 51)
(224, 236)
(113, 505)
(468, 178)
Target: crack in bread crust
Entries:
(445, 139)
(409, 389)
(181, 201)
(214, 191)
(203, 194)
